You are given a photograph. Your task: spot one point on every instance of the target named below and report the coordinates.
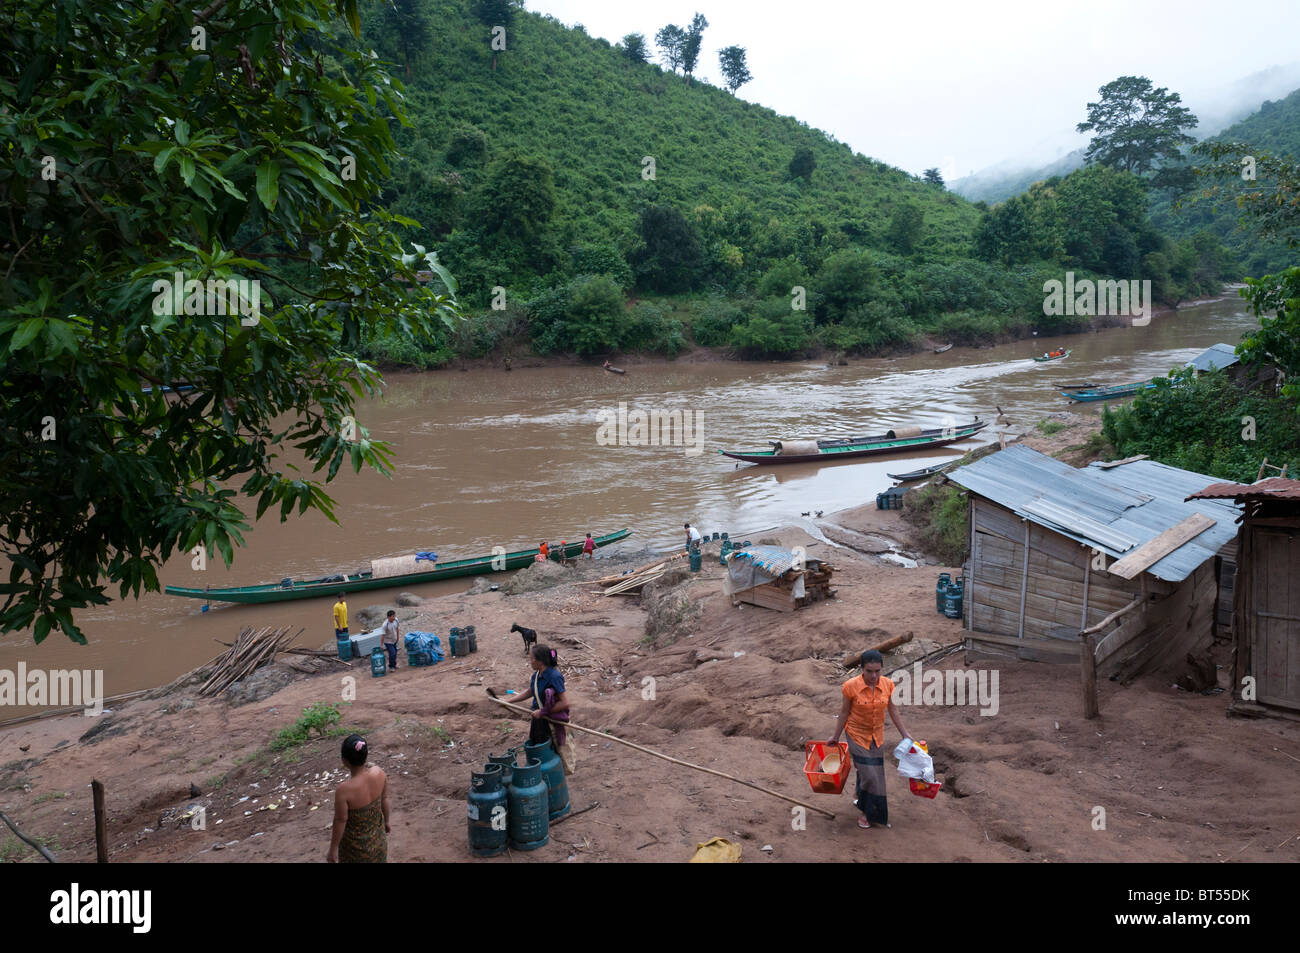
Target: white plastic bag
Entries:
(913, 761)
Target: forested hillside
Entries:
(1274, 129)
(588, 202)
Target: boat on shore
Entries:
(1106, 393)
(1049, 357)
(945, 347)
(898, 440)
(380, 575)
(912, 476)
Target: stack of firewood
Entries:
(253, 649)
(629, 583)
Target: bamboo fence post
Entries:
(101, 823)
(685, 764)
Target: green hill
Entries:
(579, 104)
(1275, 128)
(529, 170)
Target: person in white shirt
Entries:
(389, 638)
(692, 538)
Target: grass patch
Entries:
(321, 719)
(52, 796)
(940, 514)
(1049, 427)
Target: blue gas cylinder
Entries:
(529, 808)
(553, 774)
(378, 662)
(487, 809)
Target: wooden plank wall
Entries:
(1178, 620)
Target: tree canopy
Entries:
(161, 161)
(1136, 125)
(735, 72)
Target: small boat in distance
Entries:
(913, 475)
(898, 440)
(614, 370)
(361, 581)
(1106, 393)
(1059, 356)
(940, 350)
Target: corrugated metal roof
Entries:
(1114, 510)
(1220, 355)
(1274, 488)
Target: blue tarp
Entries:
(418, 642)
(428, 554)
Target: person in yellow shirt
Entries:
(341, 618)
(862, 718)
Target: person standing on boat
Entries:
(361, 815)
(341, 618)
(692, 538)
(862, 718)
(589, 547)
(389, 638)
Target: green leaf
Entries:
(187, 169)
(162, 158)
(26, 333)
(61, 337)
(268, 184)
(41, 629)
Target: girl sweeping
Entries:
(546, 689)
(862, 716)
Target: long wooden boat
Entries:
(362, 581)
(940, 350)
(1106, 393)
(892, 441)
(913, 475)
(1059, 357)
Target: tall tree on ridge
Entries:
(1136, 125)
(671, 41)
(734, 70)
(634, 47)
(691, 46)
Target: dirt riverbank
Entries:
(739, 689)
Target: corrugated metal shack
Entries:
(1055, 551)
(1266, 618)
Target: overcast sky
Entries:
(962, 85)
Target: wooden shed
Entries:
(1266, 617)
(1056, 551)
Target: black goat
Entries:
(529, 635)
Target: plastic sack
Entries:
(914, 761)
(716, 850)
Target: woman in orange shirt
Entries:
(862, 718)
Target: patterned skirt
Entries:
(364, 839)
(870, 765)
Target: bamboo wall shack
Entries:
(1106, 566)
(1266, 617)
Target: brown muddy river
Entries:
(490, 458)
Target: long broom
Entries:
(685, 764)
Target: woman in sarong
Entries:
(361, 821)
(862, 718)
(546, 688)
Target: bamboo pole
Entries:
(685, 764)
(23, 837)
